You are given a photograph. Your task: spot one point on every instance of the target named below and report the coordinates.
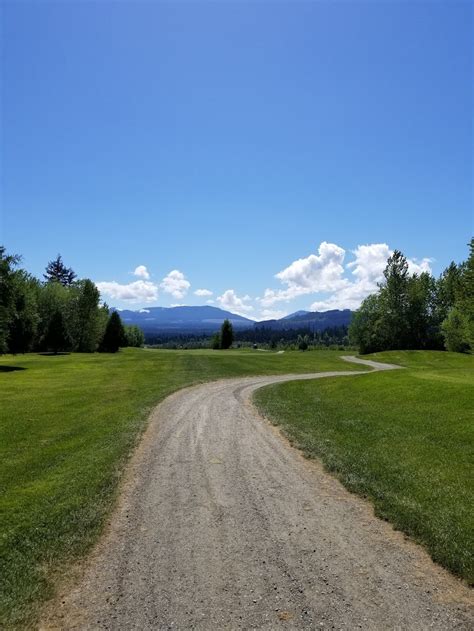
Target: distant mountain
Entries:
(296, 313)
(205, 319)
(313, 320)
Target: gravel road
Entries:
(223, 525)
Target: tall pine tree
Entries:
(227, 334)
(58, 272)
(114, 336)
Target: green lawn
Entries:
(67, 425)
(404, 439)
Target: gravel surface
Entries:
(221, 524)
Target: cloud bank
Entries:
(138, 291)
(345, 286)
(324, 277)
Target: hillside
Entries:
(207, 319)
(204, 319)
(313, 320)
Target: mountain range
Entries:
(207, 319)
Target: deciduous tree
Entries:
(7, 295)
(57, 337)
(85, 316)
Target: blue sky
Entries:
(225, 142)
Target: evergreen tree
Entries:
(56, 271)
(57, 337)
(227, 334)
(216, 342)
(114, 336)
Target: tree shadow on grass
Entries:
(51, 354)
(11, 368)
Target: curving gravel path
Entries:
(223, 525)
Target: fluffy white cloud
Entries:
(367, 267)
(370, 261)
(325, 273)
(203, 292)
(231, 302)
(142, 272)
(175, 284)
(315, 273)
(138, 291)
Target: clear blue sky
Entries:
(227, 140)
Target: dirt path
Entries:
(222, 525)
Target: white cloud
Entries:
(175, 284)
(138, 291)
(203, 292)
(315, 273)
(370, 262)
(368, 267)
(210, 302)
(142, 272)
(418, 267)
(349, 297)
(325, 273)
(144, 311)
(231, 302)
(272, 314)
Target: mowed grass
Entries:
(403, 439)
(67, 425)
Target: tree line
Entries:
(58, 313)
(418, 311)
(266, 337)
(286, 338)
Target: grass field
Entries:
(404, 439)
(67, 425)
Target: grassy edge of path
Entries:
(402, 439)
(68, 426)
